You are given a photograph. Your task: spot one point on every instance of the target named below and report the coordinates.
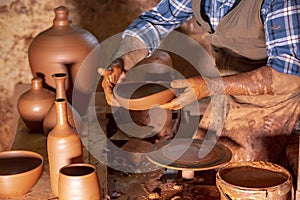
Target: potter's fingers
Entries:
(108, 94)
(108, 91)
(175, 104)
(108, 77)
(111, 100)
(104, 72)
(182, 100)
(107, 86)
(180, 83)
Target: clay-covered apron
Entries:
(255, 127)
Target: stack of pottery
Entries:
(63, 144)
(55, 56)
(66, 166)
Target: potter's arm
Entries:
(130, 52)
(257, 82)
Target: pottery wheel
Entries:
(183, 154)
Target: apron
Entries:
(255, 127)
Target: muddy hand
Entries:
(111, 76)
(195, 88)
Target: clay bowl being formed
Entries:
(19, 172)
(142, 95)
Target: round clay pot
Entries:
(254, 180)
(139, 95)
(78, 181)
(34, 104)
(73, 116)
(19, 172)
(63, 144)
(61, 49)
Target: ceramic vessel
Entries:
(73, 117)
(63, 144)
(254, 180)
(147, 86)
(19, 172)
(61, 49)
(78, 182)
(34, 104)
(142, 95)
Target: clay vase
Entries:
(50, 119)
(78, 181)
(34, 104)
(64, 146)
(61, 49)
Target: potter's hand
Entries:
(264, 80)
(111, 76)
(130, 52)
(195, 88)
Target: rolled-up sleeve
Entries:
(282, 26)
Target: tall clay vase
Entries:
(78, 182)
(73, 117)
(62, 48)
(34, 104)
(63, 144)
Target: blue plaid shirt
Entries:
(283, 47)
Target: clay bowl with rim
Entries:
(142, 95)
(19, 172)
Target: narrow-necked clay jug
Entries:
(73, 117)
(64, 146)
(61, 49)
(34, 104)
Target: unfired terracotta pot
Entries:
(19, 172)
(61, 49)
(64, 146)
(78, 181)
(34, 104)
(73, 117)
(138, 95)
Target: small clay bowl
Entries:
(135, 95)
(19, 172)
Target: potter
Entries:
(259, 77)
